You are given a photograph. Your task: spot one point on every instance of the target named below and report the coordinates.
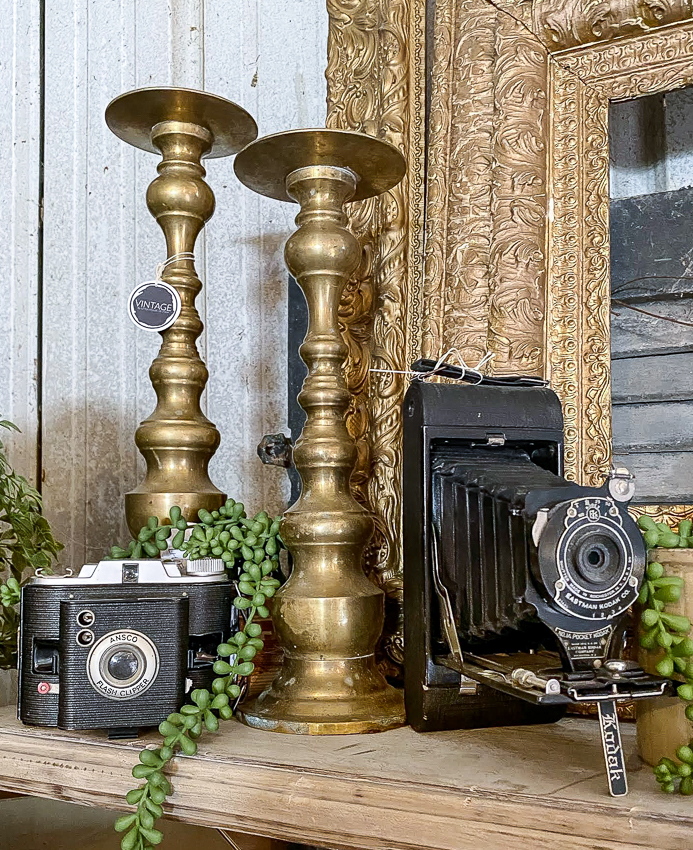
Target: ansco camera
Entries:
(516, 581)
(118, 646)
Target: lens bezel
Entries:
(106, 647)
(572, 592)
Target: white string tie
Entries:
(441, 363)
(182, 255)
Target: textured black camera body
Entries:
(516, 581)
(118, 646)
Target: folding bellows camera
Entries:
(118, 646)
(516, 581)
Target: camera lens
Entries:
(597, 559)
(123, 665)
(590, 558)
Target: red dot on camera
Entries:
(43, 688)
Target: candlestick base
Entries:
(323, 698)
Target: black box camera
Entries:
(515, 580)
(118, 646)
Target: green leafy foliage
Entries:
(254, 562)
(26, 545)
(668, 634)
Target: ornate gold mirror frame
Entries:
(508, 170)
(582, 82)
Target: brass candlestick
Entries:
(328, 616)
(177, 440)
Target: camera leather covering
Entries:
(154, 693)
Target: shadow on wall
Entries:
(94, 399)
(246, 352)
(88, 466)
(84, 490)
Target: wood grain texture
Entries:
(664, 477)
(658, 426)
(667, 377)
(523, 788)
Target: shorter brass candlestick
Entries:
(328, 616)
(177, 440)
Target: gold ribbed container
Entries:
(177, 440)
(329, 615)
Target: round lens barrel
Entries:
(123, 665)
(591, 558)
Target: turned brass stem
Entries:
(329, 615)
(177, 441)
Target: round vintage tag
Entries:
(154, 305)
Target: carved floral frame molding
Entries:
(516, 259)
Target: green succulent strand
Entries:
(153, 538)
(27, 544)
(669, 634)
(256, 551)
(660, 534)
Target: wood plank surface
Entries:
(652, 359)
(661, 378)
(520, 788)
(665, 426)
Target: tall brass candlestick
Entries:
(329, 615)
(177, 440)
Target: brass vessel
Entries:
(177, 440)
(329, 615)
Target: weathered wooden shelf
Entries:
(495, 789)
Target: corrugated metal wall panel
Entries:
(99, 240)
(20, 143)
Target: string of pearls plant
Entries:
(250, 548)
(26, 545)
(669, 634)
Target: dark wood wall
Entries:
(652, 358)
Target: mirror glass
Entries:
(651, 221)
